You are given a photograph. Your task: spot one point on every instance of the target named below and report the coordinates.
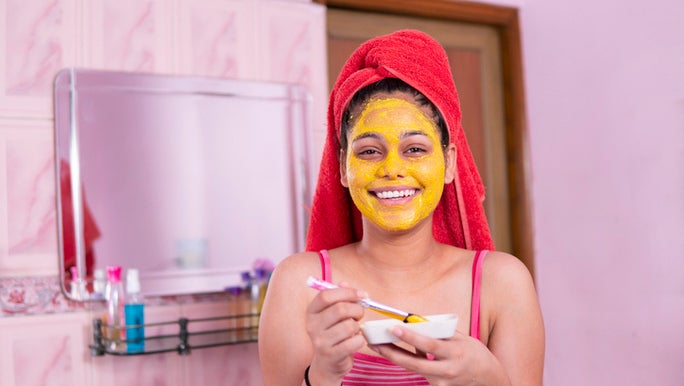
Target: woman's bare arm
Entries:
(302, 327)
(516, 335)
(284, 346)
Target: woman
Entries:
(398, 214)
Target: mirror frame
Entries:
(67, 106)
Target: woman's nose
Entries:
(393, 166)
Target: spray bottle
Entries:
(134, 310)
(114, 295)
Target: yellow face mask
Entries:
(395, 167)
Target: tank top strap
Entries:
(475, 302)
(326, 273)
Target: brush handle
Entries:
(369, 303)
(384, 309)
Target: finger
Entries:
(422, 343)
(428, 350)
(335, 314)
(350, 344)
(342, 331)
(339, 303)
(415, 362)
(426, 355)
(339, 341)
(328, 297)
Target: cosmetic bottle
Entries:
(262, 277)
(237, 308)
(252, 288)
(114, 295)
(134, 310)
(263, 268)
(78, 287)
(257, 289)
(99, 284)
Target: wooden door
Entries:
(480, 56)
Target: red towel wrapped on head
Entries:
(419, 60)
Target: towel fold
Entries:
(419, 60)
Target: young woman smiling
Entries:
(398, 214)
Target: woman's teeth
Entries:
(396, 193)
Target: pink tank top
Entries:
(369, 369)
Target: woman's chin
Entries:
(400, 225)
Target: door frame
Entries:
(505, 21)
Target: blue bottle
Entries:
(134, 310)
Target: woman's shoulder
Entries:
(287, 288)
(295, 269)
(506, 279)
(298, 267)
(502, 265)
(299, 261)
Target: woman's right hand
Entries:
(332, 322)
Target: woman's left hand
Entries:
(460, 360)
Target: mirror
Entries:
(187, 179)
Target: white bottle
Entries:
(78, 285)
(99, 284)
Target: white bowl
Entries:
(437, 326)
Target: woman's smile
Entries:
(394, 194)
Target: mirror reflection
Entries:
(189, 180)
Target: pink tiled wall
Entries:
(44, 337)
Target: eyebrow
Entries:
(403, 135)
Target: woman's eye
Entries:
(367, 152)
(416, 150)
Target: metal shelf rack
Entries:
(239, 329)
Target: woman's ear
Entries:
(449, 163)
(343, 169)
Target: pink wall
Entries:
(605, 96)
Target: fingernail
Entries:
(397, 331)
(362, 294)
(430, 357)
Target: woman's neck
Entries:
(391, 258)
